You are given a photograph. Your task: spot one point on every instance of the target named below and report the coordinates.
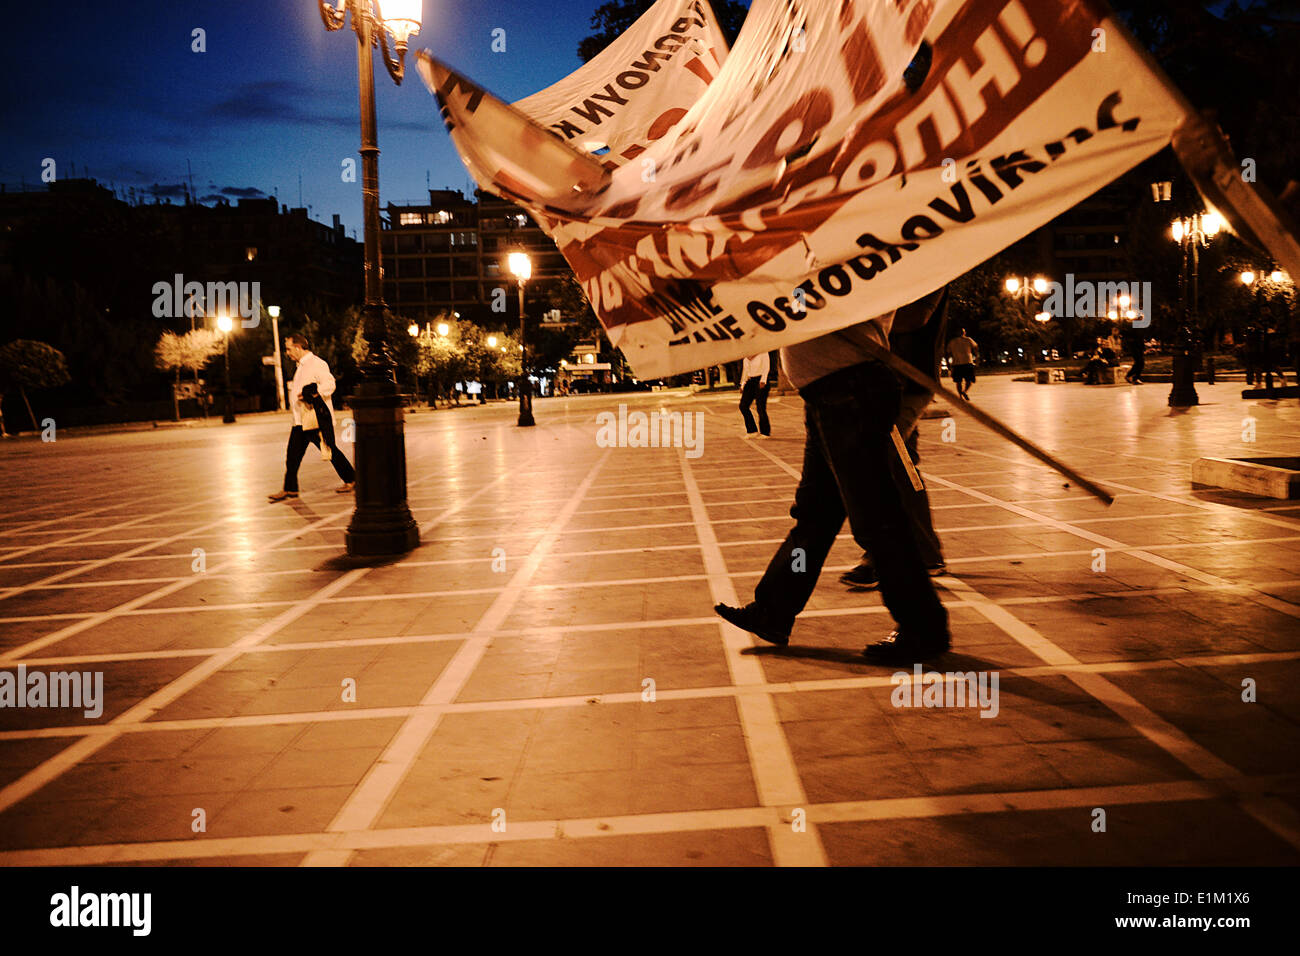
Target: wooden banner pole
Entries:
(988, 421)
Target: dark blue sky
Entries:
(115, 89)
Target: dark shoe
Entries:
(937, 570)
(750, 618)
(897, 649)
(863, 577)
(281, 495)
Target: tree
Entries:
(612, 19)
(192, 351)
(402, 346)
(25, 363)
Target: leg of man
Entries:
(918, 509)
(852, 419)
(764, 425)
(342, 467)
(818, 513)
(747, 393)
(917, 504)
(293, 457)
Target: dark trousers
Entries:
(755, 388)
(1139, 364)
(847, 473)
(298, 442)
(917, 505)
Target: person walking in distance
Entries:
(963, 353)
(851, 402)
(1137, 350)
(753, 376)
(313, 419)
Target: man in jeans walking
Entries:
(309, 391)
(851, 402)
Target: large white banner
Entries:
(718, 205)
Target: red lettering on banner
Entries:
(812, 112)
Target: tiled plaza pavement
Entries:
(543, 681)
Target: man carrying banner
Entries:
(851, 402)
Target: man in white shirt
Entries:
(754, 385)
(964, 353)
(309, 392)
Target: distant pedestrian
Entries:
(963, 352)
(754, 388)
(313, 419)
(1136, 345)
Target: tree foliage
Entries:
(25, 363)
(190, 351)
(613, 17)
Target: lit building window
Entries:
(250, 253)
(411, 219)
(441, 216)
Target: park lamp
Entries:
(1043, 316)
(1276, 275)
(412, 330)
(521, 267)
(444, 329)
(1040, 285)
(225, 324)
(400, 18)
(492, 341)
(273, 311)
(1247, 277)
(1013, 285)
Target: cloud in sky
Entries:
(281, 101)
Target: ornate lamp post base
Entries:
(1183, 393)
(382, 523)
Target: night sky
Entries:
(114, 89)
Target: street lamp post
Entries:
(226, 325)
(1020, 288)
(521, 267)
(1190, 233)
(382, 523)
(274, 312)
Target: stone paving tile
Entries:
(357, 619)
(255, 859)
(1136, 835)
(165, 631)
(124, 684)
(63, 600)
(610, 604)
